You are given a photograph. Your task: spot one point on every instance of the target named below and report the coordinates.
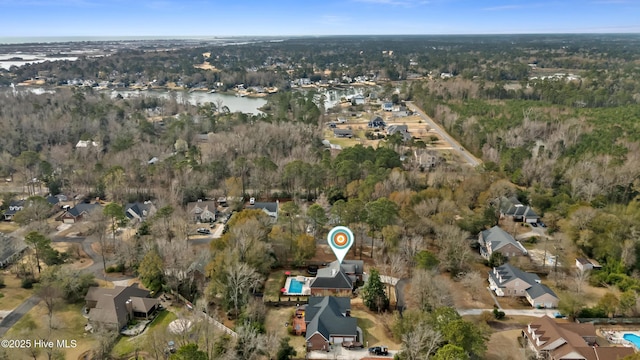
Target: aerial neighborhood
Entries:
(321, 198)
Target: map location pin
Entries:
(340, 239)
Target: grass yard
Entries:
(68, 325)
(13, 293)
(127, 345)
(504, 345)
(373, 327)
(8, 227)
(276, 317)
(272, 287)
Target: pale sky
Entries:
(38, 18)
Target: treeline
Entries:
(489, 58)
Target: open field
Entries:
(358, 125)
(13, 293)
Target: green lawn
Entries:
(13, 293)
(68, 324)
(365, 324)
(272, 287)
(127, 345)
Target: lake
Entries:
(247, 105)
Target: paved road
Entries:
(18, 313)
(525, 312)
(455, 146)
(97, 267)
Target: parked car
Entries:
(542, 224)
(534, 224)
(379, 350)
(203, 231)
(352, 345)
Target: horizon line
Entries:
(324, 35)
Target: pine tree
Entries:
(373, 293)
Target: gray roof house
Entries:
(114, 308)
(77, 212)
(139, 211)
(14, 207)
(337, 279)
(515, 209)
(270, 208)
(329, 321)
(376, 122)
(507, 280)
(202, 210)
(11, 249)
(343, 133)
(498, 240)
(402, 129)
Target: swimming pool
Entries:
(295, 287)
(635, 339)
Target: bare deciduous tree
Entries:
(421, 342)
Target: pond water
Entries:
(247, 105)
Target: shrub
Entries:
(27, 283)
(2, 282)
(498, 314)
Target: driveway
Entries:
(455, 146)
(514, 312)
(97, 267)
(340, 353)
(18, 313)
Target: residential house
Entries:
(507, 280)
(328, 321)
(343, 133)
(517, 211)
(337, 279)
(568, 341)
(86, 144)
(202, 210)
(376, 122)
(76, 213)
(399, 129)
(426, 158)
(358, 99)
(53, 200)
(139, 211)
(14, 207)
(115, 308)
(587, 264)
(11, 249)
(270, 208)
(540, 296)
(498, 240)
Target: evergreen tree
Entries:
(373, 293)
(286, 351)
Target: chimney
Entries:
(129, 306)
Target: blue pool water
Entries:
(635, 339)
(295, 287)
